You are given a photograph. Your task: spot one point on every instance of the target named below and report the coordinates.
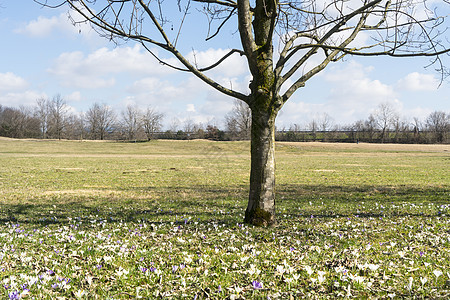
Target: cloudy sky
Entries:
(43, 54)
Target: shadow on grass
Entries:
(206, 204)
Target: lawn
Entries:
(163, 219)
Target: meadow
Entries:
(163, 219)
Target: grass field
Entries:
(163, 219)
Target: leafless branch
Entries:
(221, 25)
(228, 3)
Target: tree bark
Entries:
(261, 204)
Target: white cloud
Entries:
(61, 24)
(153, 86)
(11, 82)
(347, 94)
(352, 85)
(96, 70)
(40, 27)
(418, 82)
(16, 99)
(75, 97)
(190, 107)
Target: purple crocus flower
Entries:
(257, 285)
(14, 295)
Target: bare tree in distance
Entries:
(42, 113)
(438, 122)
(309, 34)
(152, 122)
(100, 119)
(385, 115)
(239, 120)
(131, 121)
(57, 112)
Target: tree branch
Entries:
(245, 29)
(223, 23)
(228, 3)
(322, 40)
(301, 81)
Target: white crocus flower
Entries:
(321, 278)
(373, 267)
(280, 270)
(437, 273)
(309, 270)
(423, 280)
(79, 294)
(410, 281)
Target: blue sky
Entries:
(43, 54)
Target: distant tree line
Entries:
(385, 125)
(52, 119)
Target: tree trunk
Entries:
(261, 205)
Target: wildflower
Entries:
(122, 272)
(309, 270)
(257, 285)
(410, 281)
(253, 270)
(79, 294)
(321, 277)
(423, 280)
(437, 273)
(280, 270)
(14, 295)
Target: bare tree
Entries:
(325, 123)
(131, 121)
(417, 127)
(188, 127)
(313, 127)
(17, 122)
(174, 125)
(323, 30)
(57, 116)
(42, 113)
(239, 120)
(384, 116)
(152, 122)
(100, 119)
(438, 122)
(74, 126)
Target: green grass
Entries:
(163, 219)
